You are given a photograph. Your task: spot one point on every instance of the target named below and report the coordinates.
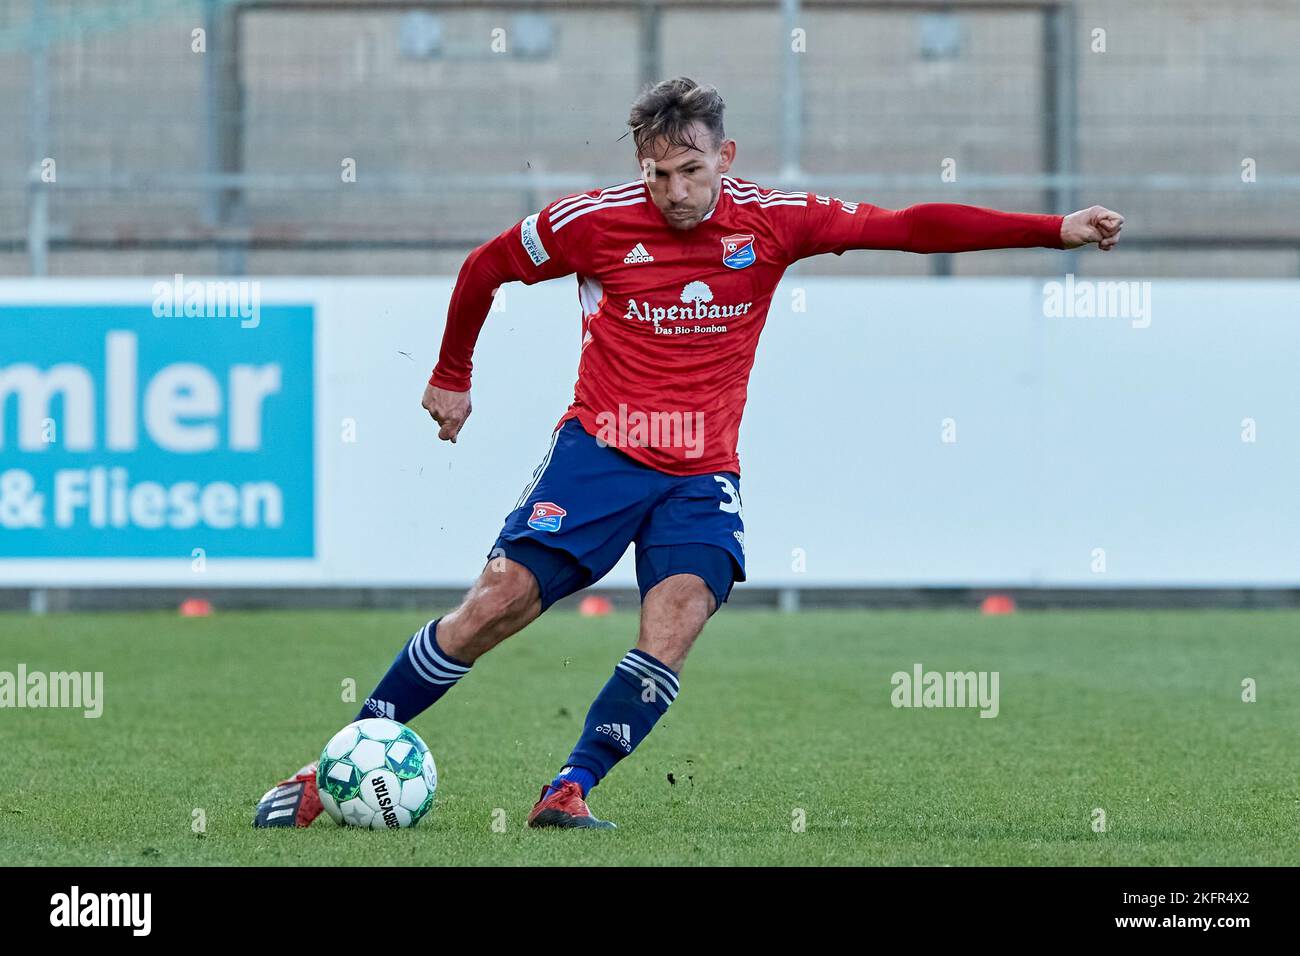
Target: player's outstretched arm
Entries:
(1096, 224)
(830, 225)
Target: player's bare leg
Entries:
(673, 614)
(502, 602)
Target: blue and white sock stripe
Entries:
(642, 666)
(428, 662)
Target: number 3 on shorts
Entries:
(732, 504)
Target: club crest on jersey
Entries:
(738, 251)
(546, 516)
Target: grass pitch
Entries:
(780, 718)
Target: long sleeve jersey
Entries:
(670, 318)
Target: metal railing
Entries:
(223, 183)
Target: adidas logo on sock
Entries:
(621, 733)
(381, 708)
(638, 254)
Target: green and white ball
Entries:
(376, 773)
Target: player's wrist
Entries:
(452, 383)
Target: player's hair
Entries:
(669, 107)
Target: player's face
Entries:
(684, 182)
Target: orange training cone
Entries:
(593, 605)
(196, 607)
(998, 604)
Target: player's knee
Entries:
(682, 596)
(672, 617)
(505, 598)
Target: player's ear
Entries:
(726, 155)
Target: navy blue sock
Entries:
(620, 718)
(421, 673)
(584, 778)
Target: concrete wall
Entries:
(1184, 86)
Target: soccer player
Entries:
(676, 270)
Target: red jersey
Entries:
(671, 318)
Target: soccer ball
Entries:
(376, 773)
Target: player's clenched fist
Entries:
(1094, 224)
(448, 409)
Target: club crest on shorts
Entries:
(738, 250)
(546, 516)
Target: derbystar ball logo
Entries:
(546, 516)
(697, 304)
(385, 801)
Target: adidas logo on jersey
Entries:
(380, 708)
(638, 254)
(621, 733)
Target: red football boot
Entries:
(565, 808)
(291, 803)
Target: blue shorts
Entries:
(587, 502)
